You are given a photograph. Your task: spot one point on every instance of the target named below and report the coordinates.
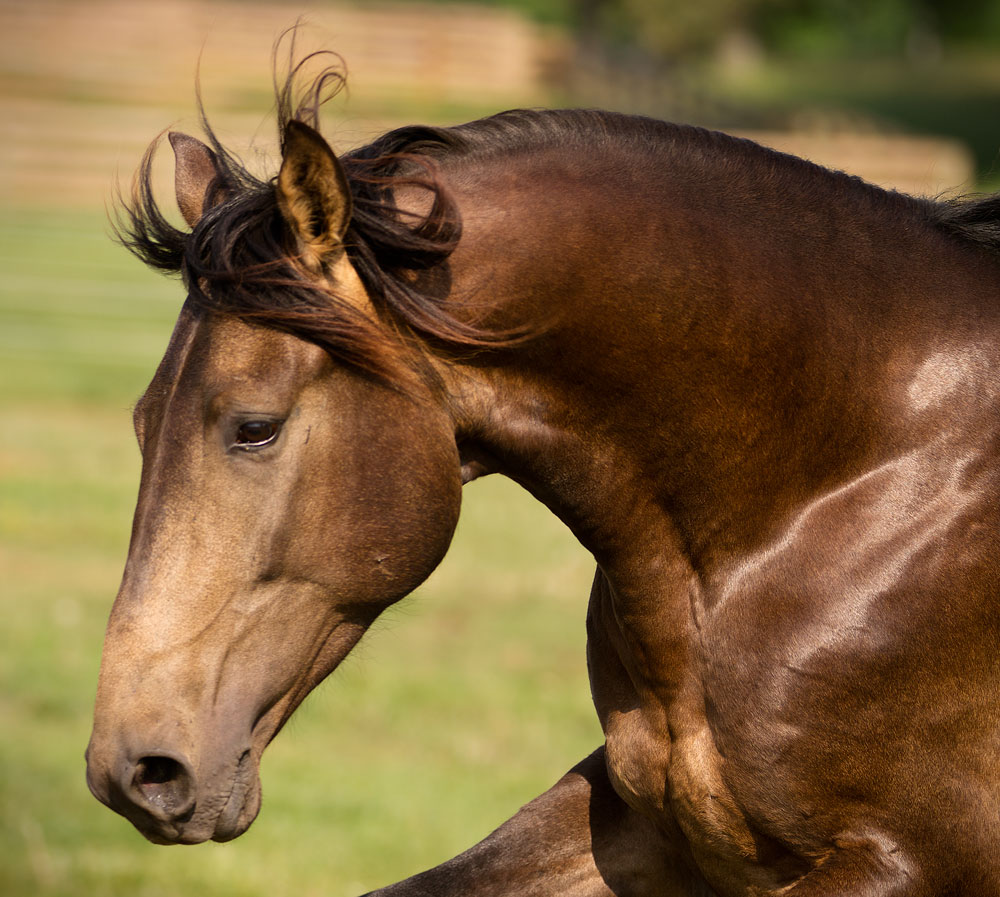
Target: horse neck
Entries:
(707, 373)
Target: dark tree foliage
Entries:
(832, 27)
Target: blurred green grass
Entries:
(465, 701)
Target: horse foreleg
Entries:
(579, 839)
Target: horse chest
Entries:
(839, 681)
(817, 690)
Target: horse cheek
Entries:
(373, 530)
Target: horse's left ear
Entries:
(197, 178)
(313, 193)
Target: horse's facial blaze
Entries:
(284, 503)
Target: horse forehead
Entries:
(212, 354)
(240, 351)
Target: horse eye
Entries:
(257, 433)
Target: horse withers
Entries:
(764, 395)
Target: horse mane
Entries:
(240, 258)
(975, 219)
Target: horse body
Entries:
(744, 639)
(761, 394)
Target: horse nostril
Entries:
(165, 784)
(156, 771)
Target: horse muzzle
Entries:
(159, 792)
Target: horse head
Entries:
(286, 499)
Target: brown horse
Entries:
(765, 397)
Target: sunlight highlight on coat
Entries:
(943, 375)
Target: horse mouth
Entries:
(243, 803)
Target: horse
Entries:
(761, 393)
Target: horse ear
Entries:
(313, 193)
(196, 177)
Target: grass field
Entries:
(463, 702)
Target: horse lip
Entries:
(163, 838)
(232, 820)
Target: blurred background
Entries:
(471, 697)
